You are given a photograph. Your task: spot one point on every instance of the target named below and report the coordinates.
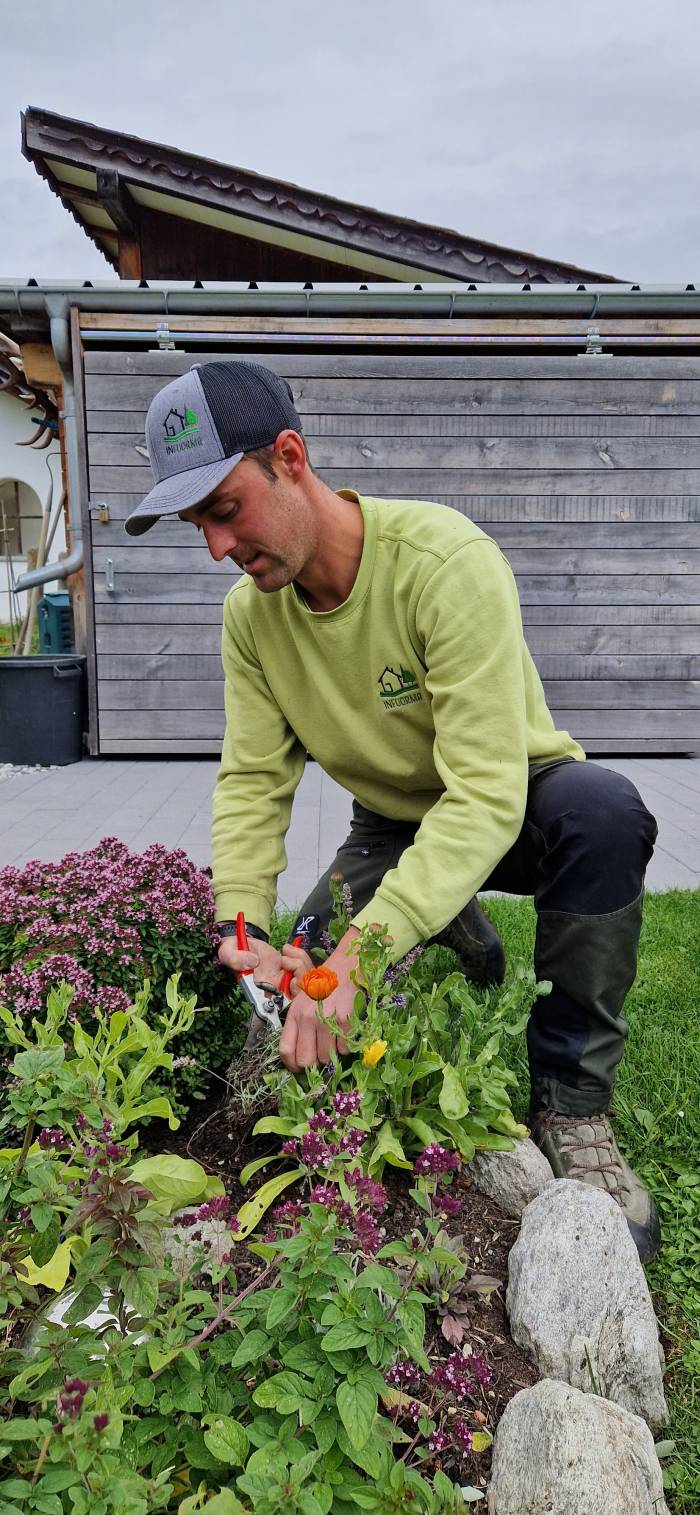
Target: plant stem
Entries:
(223, 1315)
(26, 1144)
(42, 1455)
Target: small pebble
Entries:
(8, 770)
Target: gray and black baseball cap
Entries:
(201, 425)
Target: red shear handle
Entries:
(286, 979)
(242, 940)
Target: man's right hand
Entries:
(262, 957)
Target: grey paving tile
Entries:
(668, 808)
(139, 800)
(666, 872)
(684, 776)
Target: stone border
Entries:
(580, 1442)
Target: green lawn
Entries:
(658, 1128)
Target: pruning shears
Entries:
(267, 1002)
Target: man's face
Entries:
(265, 527)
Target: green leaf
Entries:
(276, 1387)
(508, 1125)
(45, 1242)
(280, 1125)
(357, 1406)
(368, 1457)
(144, 1392)
(223, 1503)
(159, 1105)
(159, 1357)
(175, 1182)
(37, 1063)
(58, 1479)
(375, 1276)
(347, 1334)
(251, 1348)
(254, 1167)
(283, 1302)
(252, 1210)
(481, 1440)
(421, 1129)
(227, 1440)
(262, 1249)
(24, 1429)
(388, 1147)
(42, 1214)
(452, 1098)
(84, 1304)
(142, 1292)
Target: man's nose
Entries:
(220, 539)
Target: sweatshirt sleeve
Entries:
(262, 762)
(468, 622)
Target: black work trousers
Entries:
(582, 852)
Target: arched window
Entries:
(20, 519)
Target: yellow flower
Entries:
(372, 1054)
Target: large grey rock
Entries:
(560, 1452)
(512, 1179)
(578, 1300)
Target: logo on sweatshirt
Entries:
(398, 686)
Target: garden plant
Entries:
(106, 919)
(304, 1350)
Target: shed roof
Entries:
(112, 181)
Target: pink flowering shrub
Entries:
(106, 919)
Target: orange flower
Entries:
(318, 983)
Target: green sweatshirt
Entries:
(417, 694)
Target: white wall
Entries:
(31, 470)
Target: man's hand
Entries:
(297, 962)
(305, 1040)
(262, 957)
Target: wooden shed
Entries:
(557, 407)
(585, 469)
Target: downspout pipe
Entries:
(57, 309)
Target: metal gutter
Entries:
(57, 308)
(24, 298)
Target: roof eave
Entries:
(278, 203)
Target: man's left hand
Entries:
(305, 1040)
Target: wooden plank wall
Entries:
(585, 470)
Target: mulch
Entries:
(222, 1141)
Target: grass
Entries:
(658, 1128)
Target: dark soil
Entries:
(222, 1142)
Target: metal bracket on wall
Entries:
(594, 345)
(164, 338)
(109, 575)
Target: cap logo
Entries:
(180, 430)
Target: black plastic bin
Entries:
(41, 709)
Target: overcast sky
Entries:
(571, 131)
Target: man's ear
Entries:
(291, 454)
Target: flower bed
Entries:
(105, 920)
(332, 1346)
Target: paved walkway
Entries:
(47, 812)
